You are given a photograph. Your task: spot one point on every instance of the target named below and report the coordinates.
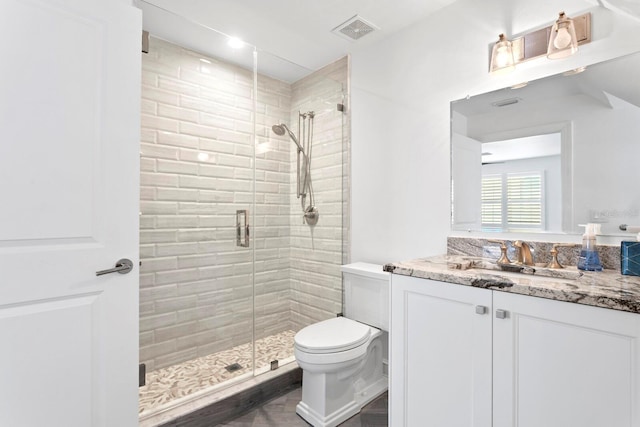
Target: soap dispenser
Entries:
(589, 259)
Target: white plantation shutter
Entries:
(513, 201)
(492, 202)
(524, 200)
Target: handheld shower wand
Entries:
(310, 213)
(280, 130)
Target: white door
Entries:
(69, 132)
(440, 363)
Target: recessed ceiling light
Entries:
(235, 43)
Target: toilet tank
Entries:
(366, 294)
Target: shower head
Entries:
(281, 128)
(278, 129)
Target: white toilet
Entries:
(342, 358)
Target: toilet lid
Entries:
(333, 335)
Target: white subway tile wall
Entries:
(196, 289)
(317, 252)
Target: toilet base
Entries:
(348, 410)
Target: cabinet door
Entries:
(440, 361)
(559, 364)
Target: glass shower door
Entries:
(196, 208)
(298, 279)
(216, 178)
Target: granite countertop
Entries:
(608, 288)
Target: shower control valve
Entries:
(311, 215)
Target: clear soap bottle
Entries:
(589, 259)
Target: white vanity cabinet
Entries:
(440, 354)
(559, 364)
(525, 361)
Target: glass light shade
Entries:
(502, 56)
(563, 41)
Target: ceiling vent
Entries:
(354, 28)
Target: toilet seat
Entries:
(332, 336)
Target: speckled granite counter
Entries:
(608, 289)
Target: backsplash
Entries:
(567, 255)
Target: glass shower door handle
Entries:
(242, 228)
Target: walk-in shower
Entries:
(214, 313)
(304, 186)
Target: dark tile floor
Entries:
(281, 412)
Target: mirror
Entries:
(549, 155)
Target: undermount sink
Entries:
(541, 270)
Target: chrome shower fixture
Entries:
(280, 130)
(303, 169)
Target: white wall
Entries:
(607, 194)
(401, 90)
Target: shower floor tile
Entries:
(177, 381)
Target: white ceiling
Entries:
(598, 84)
(296, 30)
(294, 37)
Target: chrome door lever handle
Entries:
(123, 266)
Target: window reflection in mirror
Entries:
(566, 147)
(521, 188)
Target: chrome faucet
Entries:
(524, 255)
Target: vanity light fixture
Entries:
(559, 40)
(502, 56)
(562, 41)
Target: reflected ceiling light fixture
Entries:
(559, 40)
(502, 56)
(574, 71)
(563, 41)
